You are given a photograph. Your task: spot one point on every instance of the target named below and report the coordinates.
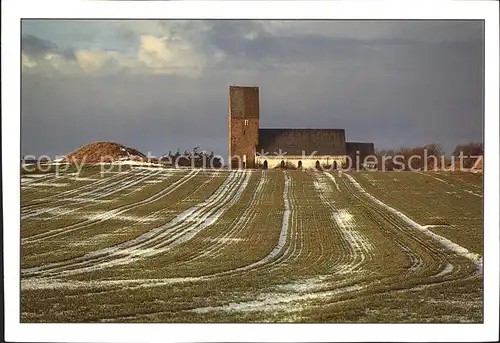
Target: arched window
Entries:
(282, 164)
(318, 165)
(265, 164)
(335, 165)
(299, 165)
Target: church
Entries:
(250, 146)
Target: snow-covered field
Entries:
(157, 245)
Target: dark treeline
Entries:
(429, 156)
(471, 150)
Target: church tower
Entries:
(243, 125)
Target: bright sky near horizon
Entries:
(162, 85)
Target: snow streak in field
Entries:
(471, 192)
(283, 233)
(457, 249)
(111, 213)
(29, 180)
(334, 180)
(415, 260)
(460, 187)
(158, 240)
(439, 179)
(49, 184)
(91, 186)
(359, 246)
(86, 190)
(239, 225)
(447, 270)
(279, 302)
(34, 177)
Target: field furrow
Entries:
(161, 238)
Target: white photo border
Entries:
(14, 10)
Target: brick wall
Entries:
(243, 124)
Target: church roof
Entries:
(302, 141)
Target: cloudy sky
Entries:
(162, 85)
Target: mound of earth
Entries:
(97, 152)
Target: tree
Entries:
(428, 155)
(470, 149)
(470, 152)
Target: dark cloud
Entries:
(38, 47)
(251, 42)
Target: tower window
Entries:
(246, 122)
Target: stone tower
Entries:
(243, 125)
